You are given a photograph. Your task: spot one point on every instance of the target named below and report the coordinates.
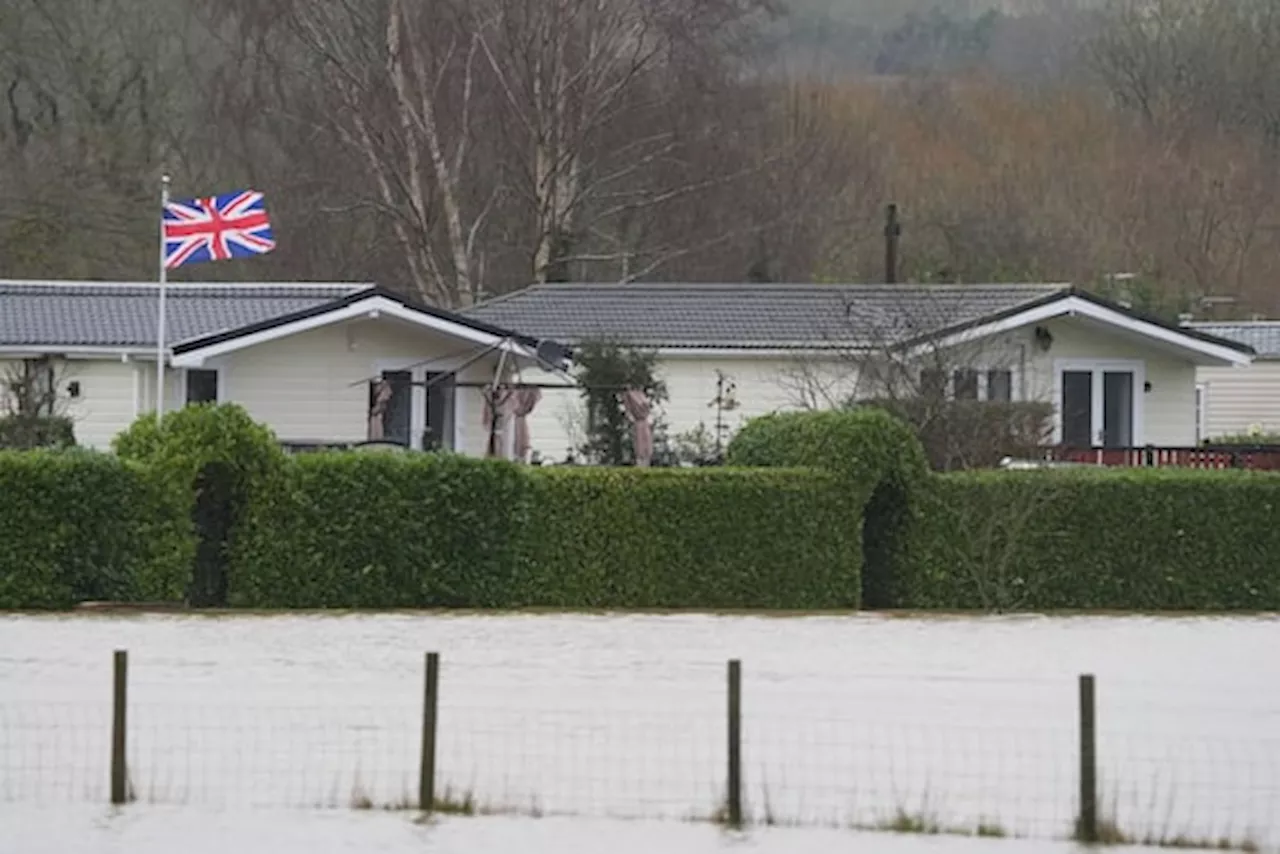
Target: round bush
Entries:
(883, 466)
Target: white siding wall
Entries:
(106, 402)
(770, 384)
(1169, 409)
(762, 385)
(1238, 398)
(314, 386)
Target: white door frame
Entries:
(418, 396)
(1098, 367)
(1202, 411)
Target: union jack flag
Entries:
(232, 225)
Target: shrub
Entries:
(211, 459)
(689, 538)
(186, 440)
(605, 368)
(1116, 539)
(969, 434)
(344, 529)
(882, 466)
(76, 526)
(27, 432)
(1260, 440)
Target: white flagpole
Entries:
(160, 324)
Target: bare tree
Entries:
(400, 91)
(90, 101)
(967, 398)
(1192, 63)
(591, 92)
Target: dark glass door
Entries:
(398, 419)
(1077, 409)
(1117, 409)
(438, 400)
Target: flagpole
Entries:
(160, 323)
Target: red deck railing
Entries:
(1258, 457)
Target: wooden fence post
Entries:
(119, 722)
(735, 744)
(1088, 824)
(430, 711)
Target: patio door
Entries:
(438, 410)
(398, 420)
(1100, 404)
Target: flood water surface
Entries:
(555, 721)
(161, 830)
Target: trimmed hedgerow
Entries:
(187, 440)
(883, 467)
(78, 525)
(689, 538)
(354, 530)
(1163, 539)
(212, 459)
(418, 531)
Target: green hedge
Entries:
(882, 466)
(1154, 539)
(213, 459)
(689, 538)
(417, 531)
(357, 530)
(77, 525)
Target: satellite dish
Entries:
(552, 355)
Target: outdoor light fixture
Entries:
(73, 388)
(1044, 338)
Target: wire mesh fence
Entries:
(928, 755)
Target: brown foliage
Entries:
(457, 150)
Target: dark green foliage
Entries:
(27, 432)
(215, 447)
(1138, 539)
(346, 529)
(882, 466)
(188, 439)
(77, 525)
(1271, 440)
(606, 368)
(969, 434)
(690, 538)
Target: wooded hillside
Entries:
(457, 150)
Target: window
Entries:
(966, 384)
(933, 383)
(202, 386)
(994, 385)
(1000, 386)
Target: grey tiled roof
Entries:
(108, 314)
(751, 315)
(1263, 336)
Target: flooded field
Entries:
(936, 723)
(163, 830)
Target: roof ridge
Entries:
(1275, 322)
(57, 284)
(638, 286)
